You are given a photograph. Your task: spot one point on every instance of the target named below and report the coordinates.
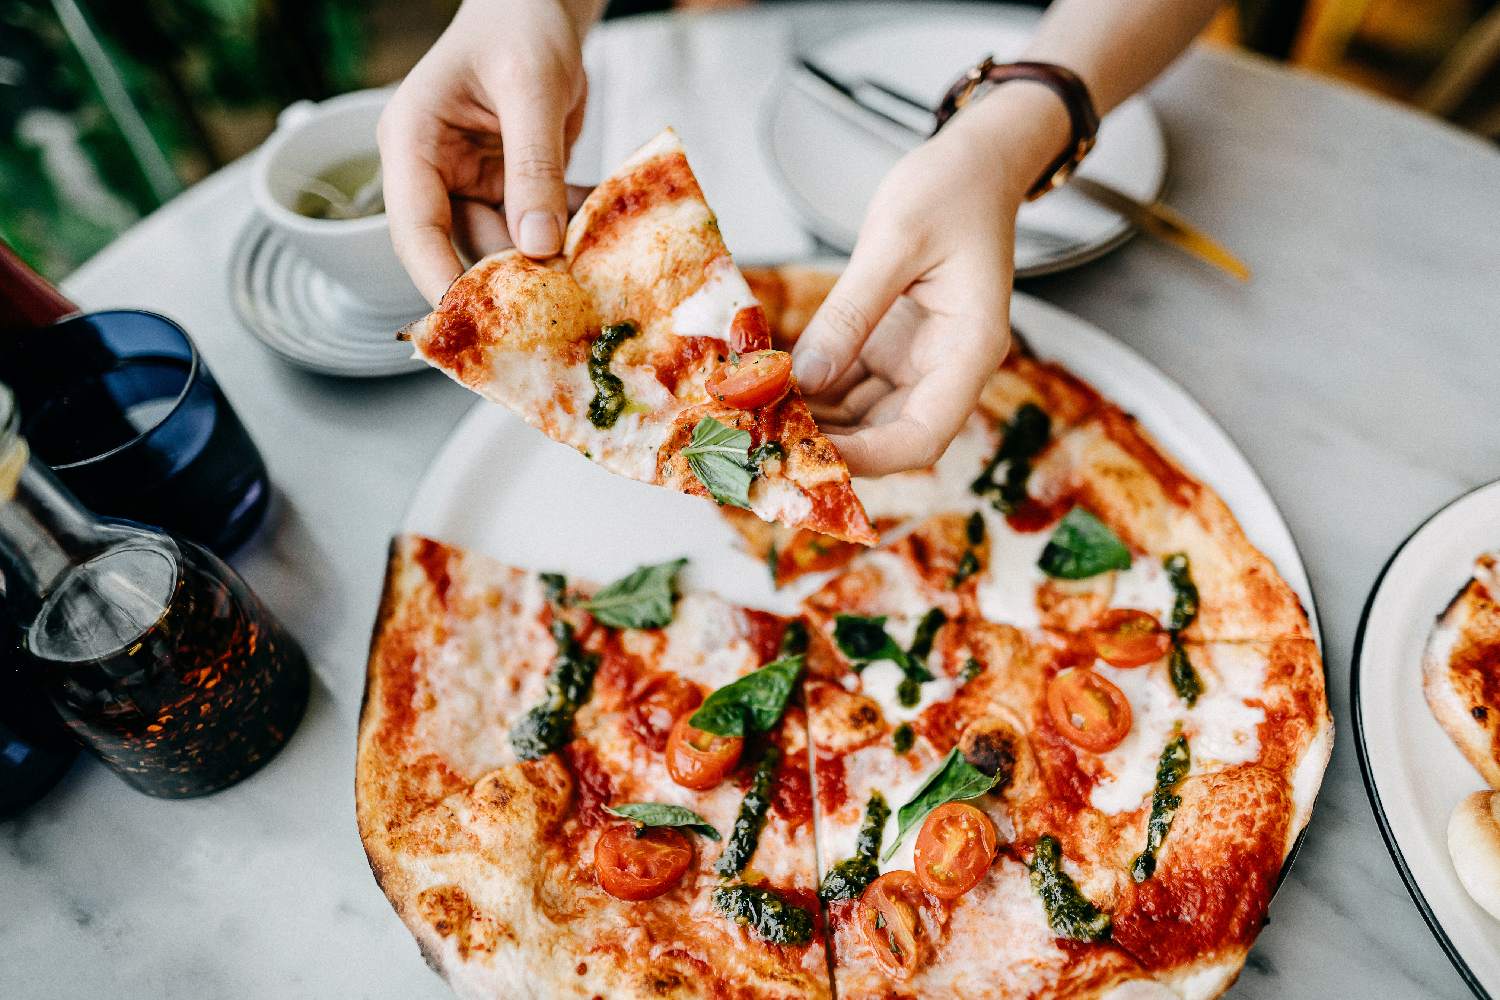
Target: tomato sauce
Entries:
(657, 182)
(763, 632)
(433, 558)
(833, 793)
(791, 795)
(592, 789)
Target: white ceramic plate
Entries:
(1413, 772)
(502, 488)
(831, 160)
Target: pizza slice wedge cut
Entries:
(973, 775)
(520, 795)
(642, 347)
(1461, 665)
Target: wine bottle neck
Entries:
(44, 530)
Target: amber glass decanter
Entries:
(156, 654)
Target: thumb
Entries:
(834, 336)
(531, 136)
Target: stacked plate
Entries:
(306, 317)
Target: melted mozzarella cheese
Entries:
(779, 500)
(533, 384)
(944, 487)
(880, 680)
(1007, 588)
(706, 641)
(710, 311)
(1144, 586)
(1222, 729)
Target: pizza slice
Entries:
(643, 347)
(541, 814)
(1461, 670)
(973, 775)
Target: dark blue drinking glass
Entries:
(123, 408)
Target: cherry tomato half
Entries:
(641, 867)
(1125, 637)
(890, 918)
(1088, 710)
(954, 850)
(751, 381)
(660, 700)
(700, 760)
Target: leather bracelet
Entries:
(1063, 82)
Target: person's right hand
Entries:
(487, 117)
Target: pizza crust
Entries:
(1461, 672)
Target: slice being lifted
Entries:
(643, 347)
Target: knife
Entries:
(1155, 218)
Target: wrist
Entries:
(1017, 130)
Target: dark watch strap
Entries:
(1062, 81)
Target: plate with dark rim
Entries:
(1413, 773)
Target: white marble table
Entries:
(1358, 373)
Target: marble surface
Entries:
(1357, 372)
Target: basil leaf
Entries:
(751, 703)
(1082, 546)
(643, 599)
(719, 456)
(955, 781)
(663, 814)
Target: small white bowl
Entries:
(357, 253)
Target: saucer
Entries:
(307, 318)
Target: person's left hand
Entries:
(895, 358)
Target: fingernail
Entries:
(540, 234)
(811, 369)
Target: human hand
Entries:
(486, 117)
(895, 358)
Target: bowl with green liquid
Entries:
(317, 182)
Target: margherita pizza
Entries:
(643, 348)
(1056, 737)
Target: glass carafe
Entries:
(156, 654)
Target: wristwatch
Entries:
(1062, 81)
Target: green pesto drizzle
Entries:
(1069, 914)
(1185, 680)
(745, 836)
(609, 392)
(764, 913)
(849, 878)
(793, 638)
(1024, 436)
(903, 738)
(549, 725)
(972, 668)
(1170, 770)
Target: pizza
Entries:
(643, 347)
(1461, 670)
(504, 719)
(1055, 736)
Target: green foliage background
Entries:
(183, 62)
